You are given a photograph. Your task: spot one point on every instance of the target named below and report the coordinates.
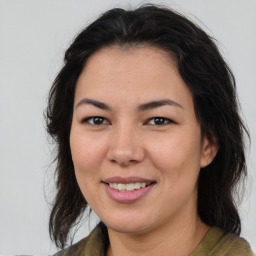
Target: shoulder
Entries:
(93, 245)
(75, 249)
(218, 243)
(235, 246)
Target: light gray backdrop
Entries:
(33, 37)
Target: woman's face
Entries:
(135, 140)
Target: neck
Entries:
(172, 240)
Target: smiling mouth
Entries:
(128, 184)
(128, 187)
(127, 190)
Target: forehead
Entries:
(133, 74)
(130, 55)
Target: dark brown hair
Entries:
(207, 76)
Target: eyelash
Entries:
(87, 120)
(94, 118)
(166, 120)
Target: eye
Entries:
(159, 121)
(95, 120)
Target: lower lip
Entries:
(129, 196)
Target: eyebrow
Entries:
(142, 107)
(158, 103)
(95, 103)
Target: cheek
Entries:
(177, 155)
(86, 151)
(87, 154)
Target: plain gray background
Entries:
(33, 37)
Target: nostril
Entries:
(124, 156)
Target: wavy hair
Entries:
(206, 74)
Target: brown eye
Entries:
(95, 120)
(159, 121)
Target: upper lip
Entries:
(126, 180)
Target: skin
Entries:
(128, 142)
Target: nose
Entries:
(125, 147)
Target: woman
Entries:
(145, 117)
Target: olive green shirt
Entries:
(215, 243)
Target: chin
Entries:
(127, 229)
(128, 225)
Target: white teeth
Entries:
(127, 187)
(121, 187)
(136, 185)
(143, 185)
(130, 187)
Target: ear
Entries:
(209, 151)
